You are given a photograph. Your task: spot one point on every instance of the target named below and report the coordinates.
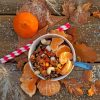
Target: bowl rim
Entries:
(35, 43)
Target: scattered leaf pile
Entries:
(84, 86)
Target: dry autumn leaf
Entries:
(62, 33)
(73, 32)
(94, 89)
(73, 86)
(68, 8)
(80, 12)
(97, 85)
(87, 75)
(96, 14)
(85, 52)
(86, 6)
(91, 91)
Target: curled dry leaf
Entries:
(86, 6)
(82, 10)
(73, 32)
(68, 8)
(97, 85)
(96, 14)
(73, 86)
(85, 52)
(91, 91)
(87, 75)
(62, 33)
(48, 88)
(94, 89)
(28, 81)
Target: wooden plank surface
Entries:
(11, 6)
(13, 78)
(89, 33)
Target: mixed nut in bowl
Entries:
(51, 56)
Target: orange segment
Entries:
(67, 68)
(55, 43)
(62, 48)
(28, 80)
(29, 88)
(28, 74)
(64, 56)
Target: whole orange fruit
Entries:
(25, 24)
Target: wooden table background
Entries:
(89, 33)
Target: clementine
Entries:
(25, 24)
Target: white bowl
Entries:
(46, 36)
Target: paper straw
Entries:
(21, 50)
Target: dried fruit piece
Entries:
(62, 48)
(87, 75)
(64, 57)
(55, 43)
(86, 53)
(66, 68)
(48, 88)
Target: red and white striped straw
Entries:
(19, 51)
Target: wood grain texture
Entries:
(10, 6)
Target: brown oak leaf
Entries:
(62, 33)
(85, 52)
(87, 76)
(80, 12)
(96, 14)
(68, 8)
(97, 85)
(73, 86)
(73, 32)
(92, 91)
(86, 6)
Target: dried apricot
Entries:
(62, 48)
